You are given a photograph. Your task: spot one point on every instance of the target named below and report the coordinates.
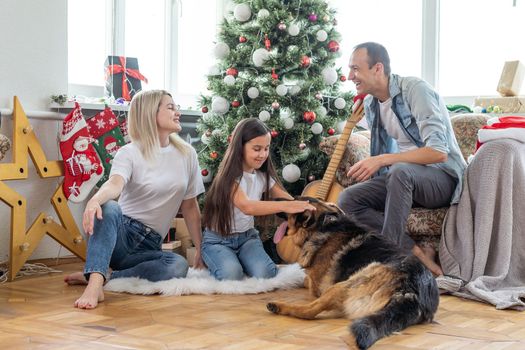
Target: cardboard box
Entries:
(514, 104)
(511, 78)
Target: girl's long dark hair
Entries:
(218, 207)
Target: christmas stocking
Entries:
(82, 165)
(104, 127)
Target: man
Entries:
(415, 158)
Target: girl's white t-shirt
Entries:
(253, 185)
(154, 191)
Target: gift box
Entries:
(511, 78)
(123, 78)
(514, 104)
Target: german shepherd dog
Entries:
(360, 274)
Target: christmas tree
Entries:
(276, 62)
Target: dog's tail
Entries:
(402, 310)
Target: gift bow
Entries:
(134, 73)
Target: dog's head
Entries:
(301, 225)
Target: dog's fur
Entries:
(360, 274)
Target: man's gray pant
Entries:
(382, 204)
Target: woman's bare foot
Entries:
(76, 278)
(93, 294)
(428, 257)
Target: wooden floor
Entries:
(37, 313)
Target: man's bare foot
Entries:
(427, 257)
(76, 278)
(93, 294)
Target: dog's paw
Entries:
(273, 307)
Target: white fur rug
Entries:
(201, 282)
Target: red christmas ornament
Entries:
(311, 178)
(309, 117)
(319, 96)
(281, 26)
(267, 42)
(232, 71)
(305, 61)
(274, 133)
(342, 78)
(242, 39)
(302, 146)
(274, 75)
(333, 46)
(204, 172)
(204, 109)
(214, 155)
(235, 103)
(331, 131)
(275, 105)
(229, 139)
(208, 133)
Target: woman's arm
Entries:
(111, 189)
(192, 218)
(278, 192)
(258, 207)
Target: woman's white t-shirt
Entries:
(253, 185)
(154, 191)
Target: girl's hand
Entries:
(88, 220)
(293, 207)
(198, 263)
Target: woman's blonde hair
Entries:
(142, 124)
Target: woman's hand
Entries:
(88, 220)
(198, 263)
(293, 207)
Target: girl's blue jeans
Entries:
(130, 248)
(231, 257)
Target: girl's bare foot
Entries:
(427, 257)
(76, 278)
(93, 294)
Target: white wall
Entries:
(33, 66)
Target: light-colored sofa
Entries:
(424, 225)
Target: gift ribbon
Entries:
(134, 73)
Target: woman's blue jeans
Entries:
(130, 248)
(230, 257)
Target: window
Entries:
(476, 38)
(379, 21)
(172, 39)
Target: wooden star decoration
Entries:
(23, 242)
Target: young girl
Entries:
(231, 246)
(154, 175)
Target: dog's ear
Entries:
(306, 219)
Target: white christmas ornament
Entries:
(477, 109)
(221, 50)
(216, 132)
(205, 139)
(229, 80)
(264, 116)
(283, 114)
(281, 90)
(288, 123)
(206, 117)
(207, 178)
(259, 56)
(214, 70)
(293, 29)
(253, 92)
(242, 12)
(321, 35)
(316, 128)
(321, 111)
(294, 90)
(329, 75)
(220, 105)
(340, 127)
(263, 13)
(291, 173)
(339, 103)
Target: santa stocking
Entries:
(81, 163)
(104, 127)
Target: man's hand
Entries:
(364, 169)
